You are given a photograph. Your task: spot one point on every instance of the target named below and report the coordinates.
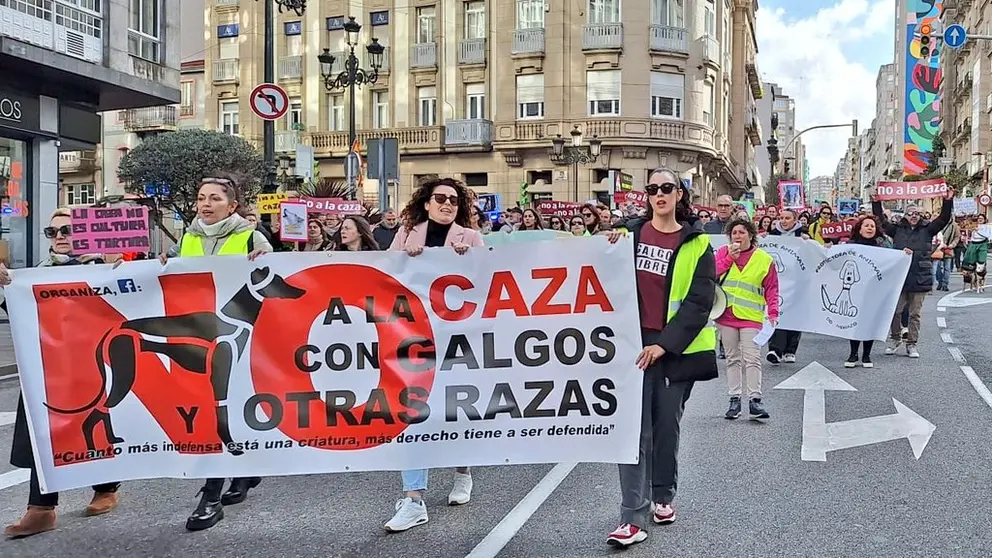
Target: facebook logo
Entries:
(127, 286)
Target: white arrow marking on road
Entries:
(6, 418)
(941, 322)
(951, 300)
(819, 437)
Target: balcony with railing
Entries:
(754, 80)
(602, 36)
(224, 5)
(665, 38)
(528, 41)
(516, 135)
(423, 55)
(426, 139)
(225, 70)
(469, 133)
(472, 51)
(77, 161)
(710, 48)
(287, 140)
(150, 119)
(290, 68)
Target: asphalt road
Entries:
(744, 489)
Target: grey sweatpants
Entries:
(655, 476)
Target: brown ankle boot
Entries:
(103, 502)
(38, 519)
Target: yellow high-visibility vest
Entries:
(745, 295)
(680, 277)
(235, 244)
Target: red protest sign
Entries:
(920, 189)
(336, 206)
(634, 197)
(559, 208)
(840, 229)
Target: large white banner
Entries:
(329, 362)
(848, 290)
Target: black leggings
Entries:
(866, 350)
(36, 498)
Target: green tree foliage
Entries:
(180, 159)
(771, 188)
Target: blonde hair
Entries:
(61, 212)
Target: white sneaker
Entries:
(892, 346)
(461, 490)
(912, 352)
(788, 358)
(409, 513)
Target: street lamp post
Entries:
(268, 75)
(575, 154)
(352, 77)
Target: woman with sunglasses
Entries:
(219, 230)
(590, 215)
(40, 515)
(556, 224)
(676, 280)
(437, 216)
(577, 226)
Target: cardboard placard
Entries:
(109, 230)
(335, 206)
(269, 203)
(293, 221)
(920, 189)
(838, 230)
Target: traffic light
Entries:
(523, 200)
(786, 168)
(773, 150)
(925, 48)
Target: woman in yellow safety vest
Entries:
(219, 230)
(750, 280)
(676, 281)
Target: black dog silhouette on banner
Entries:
(211, 344)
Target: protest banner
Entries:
(110, 230)
(269, 203)
(838, 230)
(848, 291)
(633, 196)
(330, 362)
(917, 190)
(333, 206)
(559, 208)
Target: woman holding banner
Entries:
(750, 280)
(866, 232)
(676, 281)
(437, 216)
(40, 515)
(219, 230)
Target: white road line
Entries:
(976, 382)
(946, 337)
(7, 417)
(8, 376)
(941, 322)
(942, 309)
(956, 354)
(14, 478)
(498, 538)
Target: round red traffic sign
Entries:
(269, 101)
(985, 199)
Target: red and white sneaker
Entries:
(663, 514)
(626, 535)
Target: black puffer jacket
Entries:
(919, 239)
(692, 316)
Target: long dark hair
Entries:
(415, 213)
(595, 215)
(683, 209)
(856, 236)
(368, 242)
(538, 224)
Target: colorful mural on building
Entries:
(922, 118)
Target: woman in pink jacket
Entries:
(437, 216)
(749, 278)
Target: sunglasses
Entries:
(52, 232)
(666, 188)
(441, 198)
(586, 214)
(910, 214)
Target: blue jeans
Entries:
(414, 480)
(942, 272)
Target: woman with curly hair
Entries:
(437, 216)
(590, 214)
(356, 235)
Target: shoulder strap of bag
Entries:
(251, 242)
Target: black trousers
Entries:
(36, 498)
(866, 348)
(784, 342)
(213, 488)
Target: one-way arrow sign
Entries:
(954, 301)
(819, 437)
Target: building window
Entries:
(427, 106)
(229, 117)
(603, 92)
(475, 101)
(294, 45)
(530, 14)
(186, 107)
(228, 48)
(380, 109)
(335, 112)
(426, 24)
(144, 30)
(604, 11)
(80, 194)
(85, 19)
(294, 116)
(709, 19)
(727, 113)
(709, 102)
(530, 96)
(475, 20)
(668, 12)
(667, 95)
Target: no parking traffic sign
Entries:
(269, 101)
